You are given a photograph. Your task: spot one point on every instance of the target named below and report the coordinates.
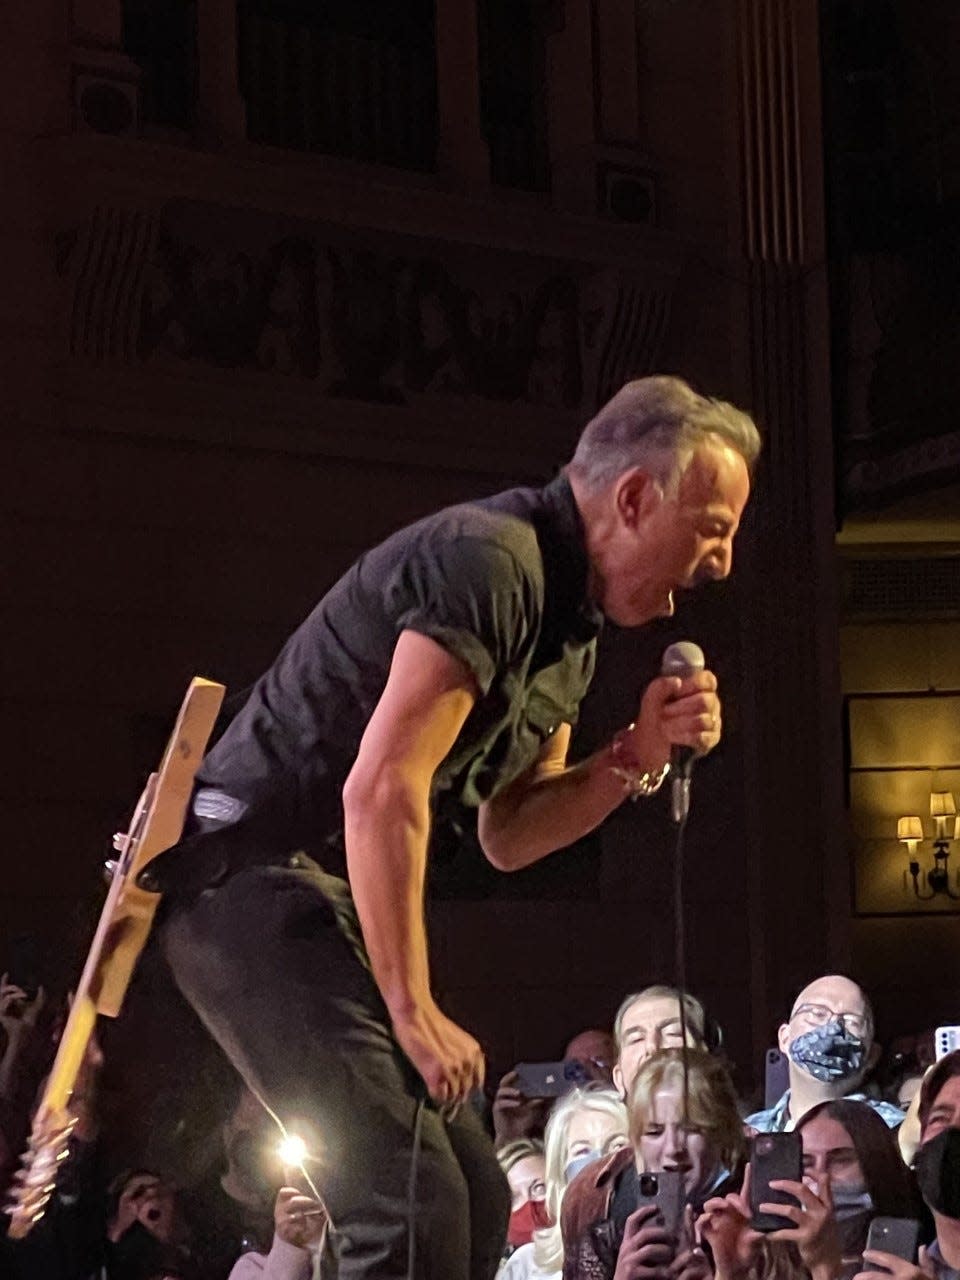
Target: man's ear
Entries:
(872, 1058)
(635, 494)
(618, 1080)
(783, 1036)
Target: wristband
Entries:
(636, 780)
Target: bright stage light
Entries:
(292, 1150)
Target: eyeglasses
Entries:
(818, 1015)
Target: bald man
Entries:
(828, 1041)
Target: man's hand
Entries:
(298, 1219)
(449, 1059)
(815, 1233)
(515, 1115)
(675, 712)
(648, 1250)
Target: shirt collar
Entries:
(941, 1266)
(566, 563)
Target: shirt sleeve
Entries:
(471, 596)
(283, 1262)
(249, 1266)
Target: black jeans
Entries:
(273, 961)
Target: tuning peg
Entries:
(110, 869)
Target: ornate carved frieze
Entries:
(354, 314)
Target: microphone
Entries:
(682, 659)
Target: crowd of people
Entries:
(655, 1095)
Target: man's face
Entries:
(825, 1001)
(595, 1051)
(945, 1112)
(665, 543)
(650, 1023)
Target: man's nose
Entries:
(723, 560)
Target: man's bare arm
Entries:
(553, 803)
(427, 698)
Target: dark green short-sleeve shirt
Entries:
(500, 583)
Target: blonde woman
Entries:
(606, 1237)
(586, 1125)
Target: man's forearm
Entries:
(386, 832)
(540, 814)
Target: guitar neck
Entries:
(83, 1007)
(121, 933)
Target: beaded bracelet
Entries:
(636, 780)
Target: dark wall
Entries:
(230, 368)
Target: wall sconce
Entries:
(943, 810)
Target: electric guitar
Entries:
(120, 937)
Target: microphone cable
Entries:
(412, 1191)
(680, 961)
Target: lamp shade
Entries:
(942, 804)
(909, 829)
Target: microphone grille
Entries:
(682, 659)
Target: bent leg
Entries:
(272, 963)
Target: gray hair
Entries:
(656, 423)
(694, 1012)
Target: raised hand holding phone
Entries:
(648, 1248)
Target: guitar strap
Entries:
(211, 851)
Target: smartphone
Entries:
(945, 1040)
(776, 1077)
(549, 1079)
(24, 964)
(899, 1236)
(664, 1189)
(773, 1156)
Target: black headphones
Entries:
(712, 1034)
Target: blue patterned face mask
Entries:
(828, 1053)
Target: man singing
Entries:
(452, 658)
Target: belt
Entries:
(220, 838)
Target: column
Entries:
(797, 875)
(461, 150)
(221, 114)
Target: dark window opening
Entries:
(352, 78)
(161, 37)
(512, 39)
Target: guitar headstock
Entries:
(36, 1179)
